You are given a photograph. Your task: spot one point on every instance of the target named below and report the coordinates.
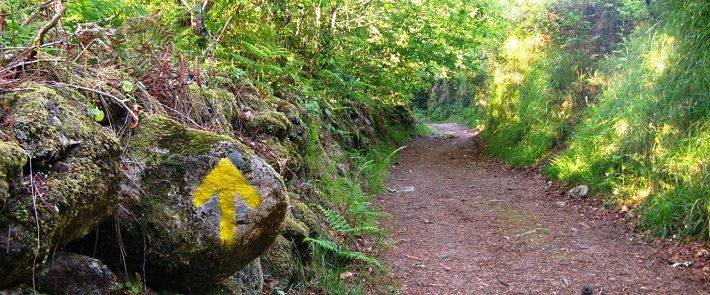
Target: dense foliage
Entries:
(645, 139)
(344, 49)
(322, 55)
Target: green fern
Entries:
(336, 221)
(339, 224)
(339, 251)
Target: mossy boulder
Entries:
(249, 280)
(198, 206)
(294, 114)
(212, 108)
(268, 122)
(351, 125)
(301, 212)
(279, 263)
(284, 156)
(12, 159)
(70, 179)
(69, 273)
(295, 229)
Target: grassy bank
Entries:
(612, 94)
(645, 141)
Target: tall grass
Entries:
(646, 141)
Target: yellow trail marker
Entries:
(225, 180)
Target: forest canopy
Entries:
(357, 50)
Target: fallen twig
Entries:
(134, 117)
(414, 258)
(501, 281)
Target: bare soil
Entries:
(463, 223)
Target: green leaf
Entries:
(127, 86)
(95, 112)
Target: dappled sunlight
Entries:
(621, 127)
(688, 160)
(662, 48)
(569, 167)
(642, 194)
(521, 52)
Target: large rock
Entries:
(249, 280)
(279, 263)
(19, 290)
(74, 179)
(352, 125)
(198, 206)
(69, 274)
(290, 249)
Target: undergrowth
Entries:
(346, 198)
(646, 140)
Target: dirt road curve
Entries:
(465, 224)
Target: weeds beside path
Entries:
(466, 224)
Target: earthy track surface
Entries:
(466, 224)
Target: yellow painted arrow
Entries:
(226, 181)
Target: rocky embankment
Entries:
(191, 197)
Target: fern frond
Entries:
(336, 221)
(343, 253)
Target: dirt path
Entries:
(465, 224)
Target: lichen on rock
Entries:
(279, 263)
(12, 159)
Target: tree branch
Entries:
(37, 10)
(59, 10)
(134, 117)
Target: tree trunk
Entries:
(197, 17)
(2, 20)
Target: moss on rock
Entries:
(294, 228)
(213, 108)
(75, 174)
(269, 122)
(186, 250)
(12, 159)
(278, 262)
(301, 212)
